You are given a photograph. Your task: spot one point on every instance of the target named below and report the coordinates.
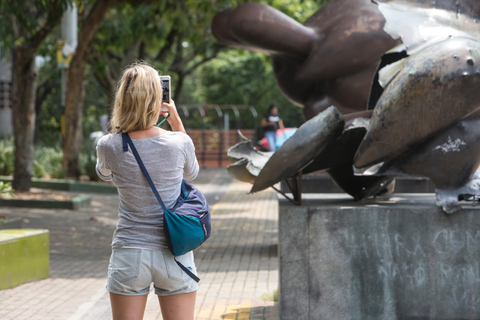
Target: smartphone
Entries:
(166, 86)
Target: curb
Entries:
(11, 223)
(68, 185)
(77, 202)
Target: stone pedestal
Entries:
(398, 257)
(322, 183)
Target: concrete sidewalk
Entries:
(238, 265)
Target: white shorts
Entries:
(132, 271)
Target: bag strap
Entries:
(185, 269)
(128, 142)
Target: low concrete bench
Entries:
(24, 256)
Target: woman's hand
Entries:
(174, 119)
(169, 107)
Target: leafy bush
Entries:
(6, 188)
(88, 162)
(88, 159)
(7, 156)
(47, 163)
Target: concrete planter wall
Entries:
(77, 202)
(24, 256)
(68, 185)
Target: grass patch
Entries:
(270, 296)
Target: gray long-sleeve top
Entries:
(169, 158)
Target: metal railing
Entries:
(213, 141)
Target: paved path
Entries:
(238, 265)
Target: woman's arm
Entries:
(102, 169)
(174, 119)
(264, 122)
(191, 167)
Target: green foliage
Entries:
(7, 156)
(132, 31)
(29, 17)
(271, 296)
(245, 78)
(241, 78)
(49, 109)
(6, 188)
(299, 10)
(48, 100)
(88, 159)
(47, 163)
(91, 120)
(88, 162)
(175, 37)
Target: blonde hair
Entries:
(138, 99)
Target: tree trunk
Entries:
(178, 86)
(24, 82)
(72, 142)
(23, 98)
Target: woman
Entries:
(139, 252)
(271, 123)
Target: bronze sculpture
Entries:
(415, 63)
(314, 63)
(431, 83)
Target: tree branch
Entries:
(179, 64)
(196, 65)
(54, 16)
(169, 41)
(43, 91)
(90, 26)
(178, 57)
(142, 51)
(115, 55)
(130, 53)
(103, 81)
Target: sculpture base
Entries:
(397, 257)
(322, 183)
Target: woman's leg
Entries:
(178, 306)
(128, 307)
(271, 138)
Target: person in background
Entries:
(270, 124)
(140, 255)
